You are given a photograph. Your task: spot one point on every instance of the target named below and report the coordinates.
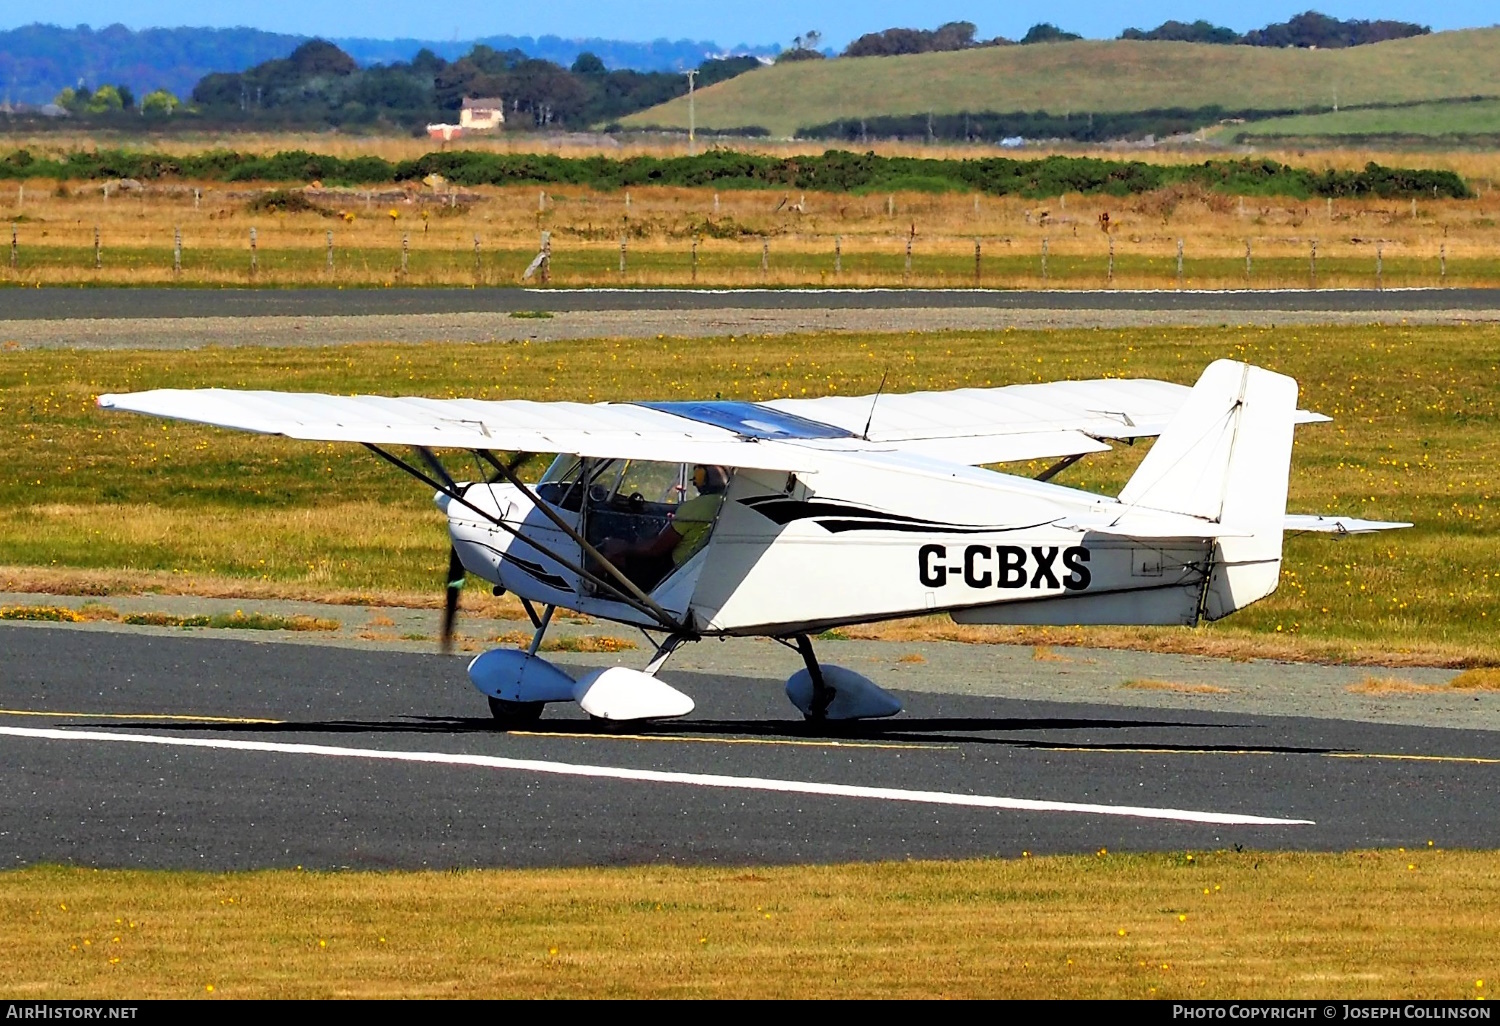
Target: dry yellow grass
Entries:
(1175, 686)
(1477, 679)
(1217, 925)
(60, 581)
(1221, 641)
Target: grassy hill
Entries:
(1095, 76)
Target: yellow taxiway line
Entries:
(134, 716)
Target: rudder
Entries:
(1225, 457)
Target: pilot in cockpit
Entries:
(649, 560)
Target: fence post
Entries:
(716, 204)
(627, 199)
(1379, 266)
(328, 238)
(1044, 259)
(838, 254)
(98, 252)
(906, 274)
(541, 202)
(254, 257)
(546, 257)
(765, 256)
(177, 252)
(478, 269)
(21, 197)
(1179, 263)
(405, 250)
(1111, 279)
(890, 206)
(15, 256)
(622, 256)
(1443, 263)
(1247, 260)
(1330, 208)
(978, 275)
(695, 259)
(197, 195)
(1312, 265)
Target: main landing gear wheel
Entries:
(827, 695)
(514, 715)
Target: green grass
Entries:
(1414, 438)
(1078, 77)
(1435, 121)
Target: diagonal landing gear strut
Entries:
(823, 692)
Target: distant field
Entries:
(1118, 75)
(806, 238)
(1432, 121)
(1413, 439)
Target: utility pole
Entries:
(692, 115)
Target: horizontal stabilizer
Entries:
(1338, 525)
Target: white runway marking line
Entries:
(892, 794)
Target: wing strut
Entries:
(1060, 466)
(648, 607)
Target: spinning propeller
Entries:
(454, 584)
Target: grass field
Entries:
(1431, 121)
(1089, 75)
(179, 507)
(1208, 925)
(822, 239)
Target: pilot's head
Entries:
(709, 478)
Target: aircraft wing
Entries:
(967, 426)
(603, 430)
(1004, 424)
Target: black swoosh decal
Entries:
(838, 517)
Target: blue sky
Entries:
(724, 21)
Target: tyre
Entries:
(511, 715)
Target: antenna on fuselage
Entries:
(870, 419)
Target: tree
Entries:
(159, 103)
(954, 35)
(589, 64)
(1199, 31)
(320, 57)
(103, 100)
(1046, 32)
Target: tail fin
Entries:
(1225, 458)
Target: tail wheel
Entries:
(512, 715)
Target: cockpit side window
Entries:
(562, 484)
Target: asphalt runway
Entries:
(122, 749)
(138, 303)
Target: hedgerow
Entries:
(833, 171)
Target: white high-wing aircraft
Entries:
(790, 517)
